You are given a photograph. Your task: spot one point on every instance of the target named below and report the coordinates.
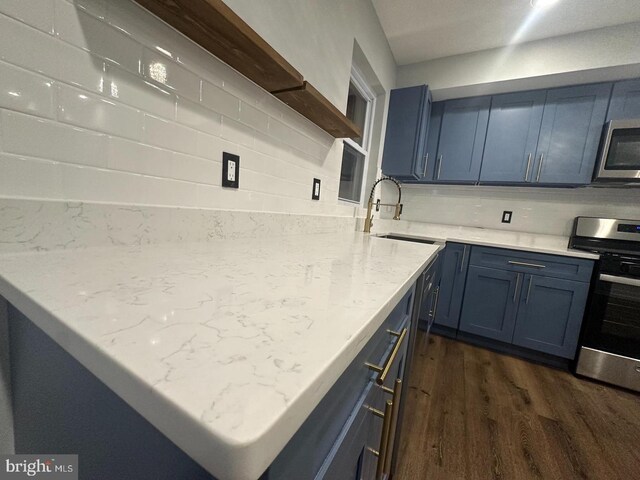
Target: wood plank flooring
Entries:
(475, 414)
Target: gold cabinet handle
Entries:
(395, 409)
(384, 439)
(384, 370)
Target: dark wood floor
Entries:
(475, 414)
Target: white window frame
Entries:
(363, 89)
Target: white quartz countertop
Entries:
(531, 242)
(226, 347)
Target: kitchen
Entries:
(201, 276)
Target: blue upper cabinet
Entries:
(570, 133)
(625, 101)
(433, 135)
(407, 126)
(462, 133)
(512, 137)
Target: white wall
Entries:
(81, 117)
(317, 37)
(535, 210)
(592, 56)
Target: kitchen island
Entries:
(225, 347)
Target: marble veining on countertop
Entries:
(225, 346)
(531, 242)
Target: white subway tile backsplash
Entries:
(96, 113)
(80, 68)
(36, 137)
(211, 147)
(37, 13)
(29, 177)
(157, 68)
(253, 117)
(97, 8)
(25, 91)
(127, 110)
(133, 90)
(170, 135)
(27, 47)
(196, 169)
(236, 132)
(196, 116)
(220, 101)
(136, 157)
(77, 27)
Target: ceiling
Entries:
(420, 30)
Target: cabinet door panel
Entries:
(571, 128)
(462, 133)
(625, 101)
(490, 303)
(409, 109)
(454, 275)
(512, 137)
(433, 136)
(550, 315)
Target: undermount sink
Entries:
(405, 238)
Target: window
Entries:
(355, 156)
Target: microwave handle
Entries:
(634, 282)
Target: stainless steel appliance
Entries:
(610, 342)
(619, 159)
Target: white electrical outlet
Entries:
(231, 172)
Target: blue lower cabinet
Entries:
(490, 303)
(453, 277)
(550, 315)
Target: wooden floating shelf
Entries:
(309, 102)
(215, 27)
(219, 30)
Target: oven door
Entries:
(613, 321)
(620, 154)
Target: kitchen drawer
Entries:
(577, 269)
(306, 452)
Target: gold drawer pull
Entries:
(393, 424)
(384, 370)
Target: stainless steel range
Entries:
(610, 343)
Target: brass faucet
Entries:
(368, 222)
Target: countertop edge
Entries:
(240, 460)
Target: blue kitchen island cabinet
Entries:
(490, 303)
(550, 315)
(570, 134)
(625, 101)
(404, 154)
(512, 137)
(461, 141)
(453, 277)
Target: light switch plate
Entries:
(507, 216)
(315, 193)
(230, 170)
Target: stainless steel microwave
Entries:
(619, 158)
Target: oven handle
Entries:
(634, 282)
